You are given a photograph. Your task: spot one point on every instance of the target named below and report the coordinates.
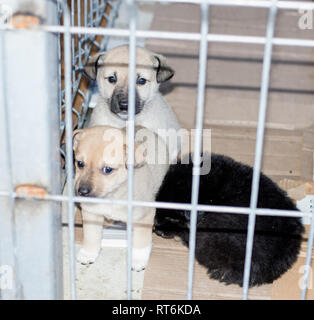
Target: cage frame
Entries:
(204, 38)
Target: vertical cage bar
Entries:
(97, 10)
(85, 25)
(307, 265)
(259, 144)
(79, 35)
(198, 142)
(130, 131)
(59, 65)
(69, 151)
(73, 39)
(91, 13)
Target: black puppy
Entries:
(221, 237)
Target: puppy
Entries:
(101, 171)
(111, 71)
(221, 237)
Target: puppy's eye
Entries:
(80, 164)
(107, 170)
(141, 81)
(112, 79)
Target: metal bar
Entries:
(99, 8)
(259, 145)
(131, 129)
(85, 25)
(288, 5)
(79, 23)
(198, 143)
(166, 205)
(91, 13)
(97, 11)
(69, 152)
(59, 64)
(307, 265)
(73, 37)
(187, 36)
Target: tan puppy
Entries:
(111, 70)
(101, 171)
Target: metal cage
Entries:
(68, 36)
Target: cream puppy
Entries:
(111, 70)
(101, 171)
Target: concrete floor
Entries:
(106, 279)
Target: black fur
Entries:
(221, 237)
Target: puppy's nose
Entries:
(123, 104)
(84, 191)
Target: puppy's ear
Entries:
(75, 138)
(164, 72)
(92, 65)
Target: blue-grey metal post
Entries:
(29, 146)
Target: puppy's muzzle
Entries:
(120, 104)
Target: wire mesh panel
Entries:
(88, 14)
(82, 30)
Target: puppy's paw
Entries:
(87, 257)
(140, 258)
(164, 234)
